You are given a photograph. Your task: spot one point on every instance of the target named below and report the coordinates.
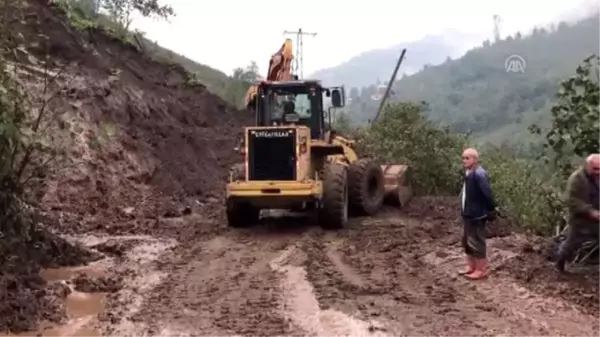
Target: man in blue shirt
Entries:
(477, 207)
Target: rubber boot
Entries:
(470, 266)
(481, 270)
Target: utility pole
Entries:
(497, 23)
(300, 45)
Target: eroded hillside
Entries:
(138, 141)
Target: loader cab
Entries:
(295, 103)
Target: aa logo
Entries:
(515, 64)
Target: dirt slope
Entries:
(141, 142)
(140, 145)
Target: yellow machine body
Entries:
(280, 194)
(308, 187)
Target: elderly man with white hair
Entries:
(582, 202)
(478, 206)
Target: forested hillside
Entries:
(114, 16)
(476, 94)
(376, 65)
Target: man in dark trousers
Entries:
(478, 206)
(582, 202)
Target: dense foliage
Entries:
(575, 117)
(24, 150)
(403, 135)
(527, 193)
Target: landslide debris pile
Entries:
(138, 143)
(143, 143)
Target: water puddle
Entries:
(82, 308)
(81, 305)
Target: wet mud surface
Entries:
(144, 249)
(394, 274)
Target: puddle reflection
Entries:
(81, 307)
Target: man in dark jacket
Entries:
(478, 206)
(582, 202)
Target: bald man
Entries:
(478, 206)
(582, 196)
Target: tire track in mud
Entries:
(550, 316)
(222, 286)
(388, 275)
(245, 282)
(396, 269)
(300, 305)
(406, 295)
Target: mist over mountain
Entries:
(377, 65)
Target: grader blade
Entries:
(396, 179)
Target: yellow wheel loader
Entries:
(294, 161)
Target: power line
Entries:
(300, 45)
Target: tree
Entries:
(120, 11)
(575, 115)
(242, 78)
(403, 135)
(86, 8)
(249, 74)
(341, 122)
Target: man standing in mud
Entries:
(582, 202)
(478, 206)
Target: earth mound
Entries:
(138, 143)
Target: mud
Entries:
(25, 297)
(141, 144)
(137, 146)
(73, 308)
(390, 275)
(141, 185)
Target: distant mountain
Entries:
(377, 65)
(476, 93)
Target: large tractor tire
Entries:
(241, 214)
(333, 213)
(366, 187)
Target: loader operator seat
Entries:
(289, 108)
(289, 113)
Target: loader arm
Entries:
(280, 69)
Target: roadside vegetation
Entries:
(528, 188)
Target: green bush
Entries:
(403, 135)
(527, 194)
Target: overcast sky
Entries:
(229, 33)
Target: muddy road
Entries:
(146, 157)
(386, 276)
